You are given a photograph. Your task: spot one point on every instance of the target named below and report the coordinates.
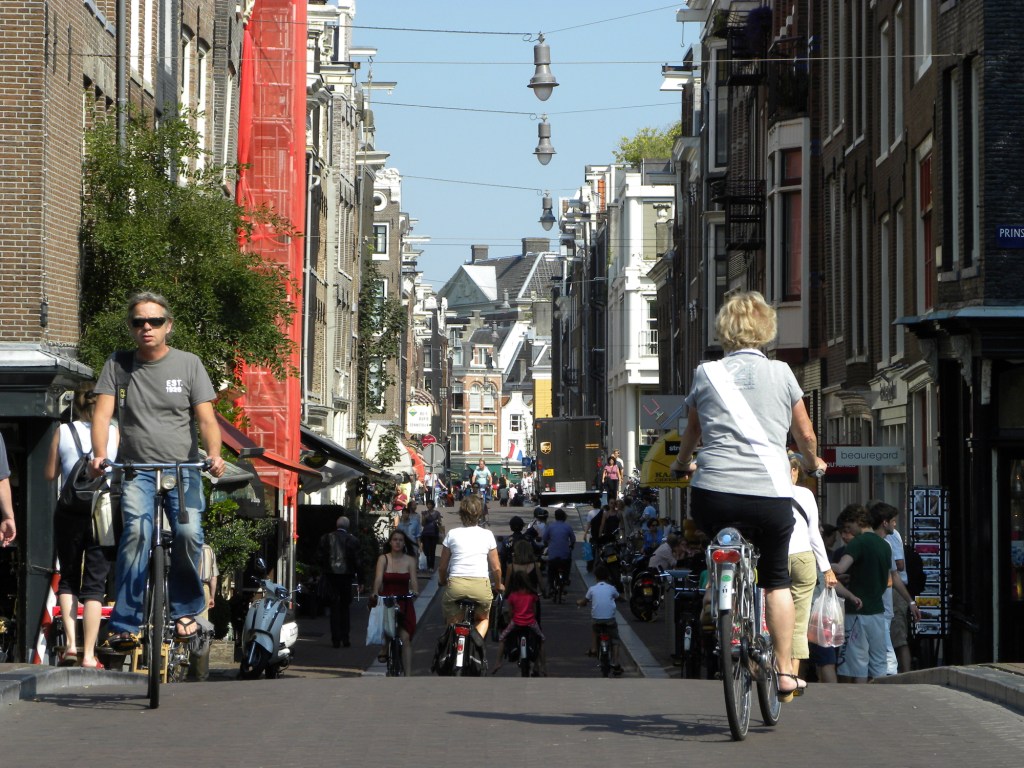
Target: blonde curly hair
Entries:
(745, 321)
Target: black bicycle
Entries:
(392, 632)
(460, 651)
(157, 630)
(560, 580)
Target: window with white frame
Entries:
(229, 108)
(147, 43)
(488, 433)
(832, 54)
(885, 300)
(457, 400)
(901, 279)
(488, 397)
(185, 84)
(481, 355)
(474, 438)
(864, 259)
(428, 357)
(972, 175)
(789, 197)
(134, 36)
(516, 422)
(456, 437)
(898, 68)
(843, 63)
(718, 109)
(922, 26)
(475, 398)
(856, 290)
(380, 241)
(951, 170)
(924, 240)
(202, 84)
(883, 90)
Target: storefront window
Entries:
(1017, 531)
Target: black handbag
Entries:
(79, 486)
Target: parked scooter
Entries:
(268, 634)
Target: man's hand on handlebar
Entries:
(216, 466)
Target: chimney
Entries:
(479, 253)
(536, 245)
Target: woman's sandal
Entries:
(96, 664)
(69, 659)
(787, 696)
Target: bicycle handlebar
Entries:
(139, 466)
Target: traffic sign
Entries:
(428, 440)
(433, 456)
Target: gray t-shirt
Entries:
(158, 419)
(726, 462)
(5, 468)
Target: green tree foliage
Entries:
(382, 323)
(144, 230)
(648, 144)
(233, 539)
(389, 448)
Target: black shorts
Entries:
(766, 521)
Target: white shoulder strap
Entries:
(749, 425)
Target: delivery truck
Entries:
(570, 458)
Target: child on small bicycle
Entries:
(602, 597)
(522, 601)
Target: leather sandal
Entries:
(787, 696)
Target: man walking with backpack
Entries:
(341, 563)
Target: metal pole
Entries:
(122, 74)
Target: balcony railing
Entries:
(743, 201)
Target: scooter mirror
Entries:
(261, 566)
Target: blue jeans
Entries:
(184, 588)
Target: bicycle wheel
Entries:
(768, 686)
(735, 676)
(395, 666)
(155, 620)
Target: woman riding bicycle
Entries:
(396, 575)
(469, 566)
(741, 475)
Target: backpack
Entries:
(76, 494)
(339, 553)
(916, 579)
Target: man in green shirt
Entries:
(867, 561)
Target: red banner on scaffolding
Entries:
(271, 146)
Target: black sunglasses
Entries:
(154, 322)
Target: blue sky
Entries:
(612, 68)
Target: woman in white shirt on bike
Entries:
(469, 568)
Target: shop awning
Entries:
(237, 441)
(655, 472)
(338, 464)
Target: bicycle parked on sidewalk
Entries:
(157, 630)
(393, 642)
(746, 654)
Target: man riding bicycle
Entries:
(559, 539)
(161, 394)
(482, 480)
